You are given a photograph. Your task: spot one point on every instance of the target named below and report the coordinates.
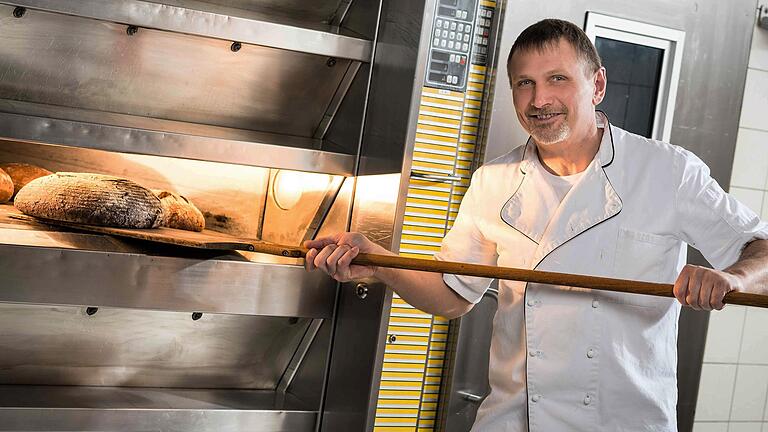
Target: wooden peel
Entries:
(214, 240)
(515, 274)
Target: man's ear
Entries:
(600, 84)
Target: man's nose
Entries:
(541, 97)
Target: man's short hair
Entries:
(547, 33)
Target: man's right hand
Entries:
(333, 256)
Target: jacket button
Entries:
(535, 398)
(590, 353)
(595, 304)
(587, 400)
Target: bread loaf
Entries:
(6, 186)
(179, 212)
(23, 173)
(92, 199)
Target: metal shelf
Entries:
(59, 276)
(74, 408)
(48, 124)
(207, 23)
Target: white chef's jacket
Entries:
(572, 359)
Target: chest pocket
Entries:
(644, 257)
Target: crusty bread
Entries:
(179, 212)
(92, 199)
(23, 173)
(6, 186)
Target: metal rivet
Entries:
(91, 311)
(293, 320)
(19, 11)
(535, 398)
(331, 62)
(131, 30)
(196, 316)
(235, 47)
(595, 304)
(362, 290)
(392, 338)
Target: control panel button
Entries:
(466, 37)
(464, 47)
(458, 13)
(443, 43)
(463, 14)
(439, 23)
(461, 27)
(453, 35)
(450, 44)
(437, 32)
(453, 25)
(453, 58)
(445, 33)
(436, 42)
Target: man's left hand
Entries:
(703, 288)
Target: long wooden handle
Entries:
(508, 273)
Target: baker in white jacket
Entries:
(581, 196)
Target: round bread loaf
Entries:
(23, 173)
(92, 199)
(6, 186)
(179, 212)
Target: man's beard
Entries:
(550, 134)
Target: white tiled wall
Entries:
(733, 391)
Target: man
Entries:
(585, 197)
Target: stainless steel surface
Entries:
(336, 101)
(70, 61)
(350, 402)
(271, 151)
(435, 177)
(706, 116)
(63, 408)
(208, 24)
(297, 203)
(63, 345)
(298, 357)
(467, 383)
(78, 277)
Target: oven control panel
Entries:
(453, 36)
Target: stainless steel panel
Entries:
(350, 402)
(268, 153)
(706, 116)
(178, 19)
(313, 11)
(77, 277)
(62, 408)
(45, 345)
(70, 61)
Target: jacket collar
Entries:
(590, 202)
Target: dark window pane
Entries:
(634, 73)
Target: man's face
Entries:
(554, 92)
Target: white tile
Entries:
(745, 427)
(764, 216)
(715, 392)
(754, 345)
(749, 394)
(758, 55)
(724, 334)
(750, 159)
(750, 197)
(710, 427)
(765, 427)
(755, 100)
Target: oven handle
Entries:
(435, 177)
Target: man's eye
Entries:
(558, 78)
(523, 83)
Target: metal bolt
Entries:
(331, 62)
(293, 320)
(19, 11)
(91, 311)
(196, 316)
(362, 290)
(392, 338)
(131, 30)
(236, 46)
